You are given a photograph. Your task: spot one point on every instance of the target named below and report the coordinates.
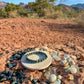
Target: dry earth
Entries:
(16, 33)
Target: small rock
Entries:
(52, 78)
(66, 64)
(44, 70)
(37, 49)
(11, 59)
(54, 70)
(63, 62)
(70, 77)
(59, 77)
(52, 52)
(30, 78)
(21, 80)
(72, 63)
(56, 58)
(45, 48)
(67, 70)
(2, 76)
(73, 70)
(67, 56)
(58, 81)
(11, 65)
(3, 79)
(35, 81)
(68, 60)
(47, 74)
(67, 67)
(74, 57)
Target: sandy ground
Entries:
(16, 33)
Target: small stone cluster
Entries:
(17, 76)
(50, 74)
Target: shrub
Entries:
(3, 13)
(13, 14)
(80, 20)
(55, 15)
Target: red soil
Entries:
(18, 33)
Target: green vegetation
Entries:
(80, 20)
(40, 9)
(12, 10)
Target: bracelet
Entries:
(36, 61)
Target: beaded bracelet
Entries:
(36, 61)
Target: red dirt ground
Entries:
(18, 33)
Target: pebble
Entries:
(66, 64)
(59, 77)
(67, 67)
(49, 68)
(63, 62)
(67, 56)
(14, 78)
(67, 70)
(3, 79)
(44, 70)
(68, 60)
(52, 78)
(30, 78)
(72, 63)
(54, 70)
(58, 81)
(21, 80)
(76, 67)
(73, 70)
(70, 77)
(2, 76)
(37, 49)
(56, 58)
(11, 65)
(35, 81)
(45, 48)
(53, 52)
(74, 57)
(47, 74)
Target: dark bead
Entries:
(13, 64)
(9, 65)
(47, 83)
(10, 73)
(24, 75)
(8, 78)
(21, 80)
(11, 59)
(2, 76)
(6, 72)
(19, 76)
(13, 79)
(3, 79)
(34, 80)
